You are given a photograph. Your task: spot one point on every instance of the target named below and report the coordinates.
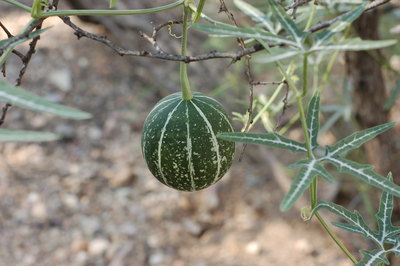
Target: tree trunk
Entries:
(369, 97)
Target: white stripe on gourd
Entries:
(189, 149)
(155, 117)
(213, 139)
(219, 112)
(161, 139)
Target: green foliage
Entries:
(11, 42)
(392, 97)
(313, 120)
(295, 38)
(313, 167)
(113, 3)
(28, 100)
(24, 136)
(269, 139)
(386, 237)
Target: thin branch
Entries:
(9, 35)
(263, 83)
(37, 24)
(235, 56)
(284, 108)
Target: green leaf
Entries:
(199, 9)
(313, 120)
(357, 224)
(356, 139)
(276, 56)
(255, 14)
(113, 3)
(252, 33)
(373, 258)
(319, 168)
(22, 98)
(21, 135)
(386, 233)
(14, 41)
(392, 97)
(286, 22)
(301, 182)
(339, 25)
(268, 139)
(366, 173)
(354, 44)
(384, 216)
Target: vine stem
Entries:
(185, 84)
(314, 184)
(335, 238)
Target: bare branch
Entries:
(37, 24)
(235, 56)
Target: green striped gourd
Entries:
(180, 144)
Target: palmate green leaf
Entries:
(319, 168)
(255, 14)
(356, 139)
(25, 136)
(373, 258)
(286, 22)
(339, 25)
(113, 3)
(301, 182)
(386, 233)
(357, 224)
(268, 139)
(246, 33)
(22, 98)
(366, 173)
(276, 55)
(354, 44)
(313, 120)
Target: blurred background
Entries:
(89, 198)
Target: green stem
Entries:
(314, 184)
(335, 238)
(95, 12)
(310, 19)
(18, 4)
(185, 84)
(199, 10)
(305, 75)
(267, 105)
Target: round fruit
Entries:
(180, 144)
